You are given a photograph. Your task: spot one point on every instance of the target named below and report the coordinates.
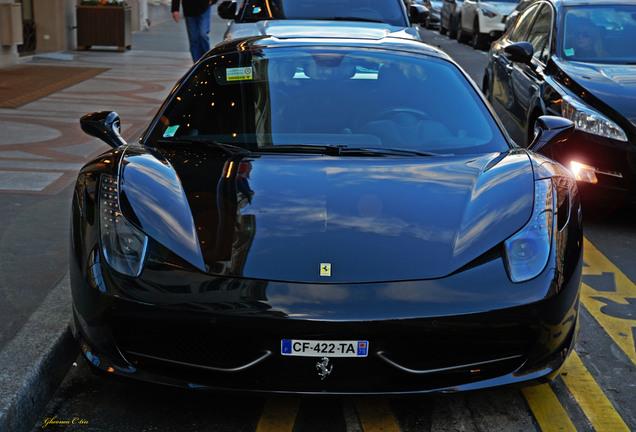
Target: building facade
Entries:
(29, 27)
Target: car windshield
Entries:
(258, 99)
(600, 34)
(387, 11)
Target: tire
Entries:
(485, 88)
(479, 39)
(530, 129)
(442, 30)
(462, 36)
(452, 29)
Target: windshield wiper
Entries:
(388, 151)
(342, 150)
(301, 148)
(228, 148)
(351, 18)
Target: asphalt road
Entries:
(596, 390)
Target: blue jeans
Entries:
(198, 29)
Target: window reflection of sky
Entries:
(389, 198)
(411, 217)
(161, 205)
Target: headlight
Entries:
(527, 251)
(589, 120)
(123, 245)
(488, 13)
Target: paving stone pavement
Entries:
(41, 149)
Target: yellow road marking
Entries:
(620, 330)
(547, 409)
(375, 415)
(279, 414)
(589, 396)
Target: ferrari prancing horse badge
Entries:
(323, 367)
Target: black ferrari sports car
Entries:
(326, 215)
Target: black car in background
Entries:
(575, 59)
(434, 16)
(449, 17)
(510, 19)
(255, 17)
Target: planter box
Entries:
(104, 26)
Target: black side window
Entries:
(520, 30)
(539, 35)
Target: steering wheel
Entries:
(390, 113)
(286, 110)
(368, 13)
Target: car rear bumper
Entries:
(491, 26)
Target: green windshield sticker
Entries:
(239, 74)
(569, 52)
(170, 131)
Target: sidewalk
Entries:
(41, 149)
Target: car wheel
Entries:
(452, 30)
(485, 88)
(530, 129)
(462, 36)
(479, 39)
(442, 30)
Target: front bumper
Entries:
(470, 330)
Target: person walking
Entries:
(197, 16)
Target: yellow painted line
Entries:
(547, 409)
(279, 414)
(589, 396)
(620, 330)
(375, 415)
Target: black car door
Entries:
(501, 91)
(527, 79)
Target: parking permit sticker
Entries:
(170, 131)
(239, 74)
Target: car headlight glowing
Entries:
(527, 252)
(587, 119)
(123, 245)
(583, 172)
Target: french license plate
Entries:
(327, 348)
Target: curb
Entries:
(35, 361)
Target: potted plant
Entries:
(103, 23)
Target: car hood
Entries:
(286, 217)
(284, 29)
(614, 85)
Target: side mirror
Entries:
(105, 126)
(227, 9)
(550, 130)
(418, 13)
(520, 52)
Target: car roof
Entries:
(331, 34)
(290, 28)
